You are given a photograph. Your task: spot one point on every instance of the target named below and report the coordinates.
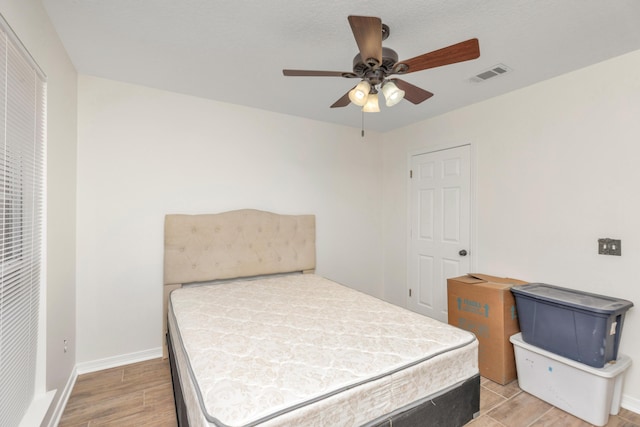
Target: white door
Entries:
(440, 227)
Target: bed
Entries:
(256, 338)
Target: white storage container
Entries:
(584, 391)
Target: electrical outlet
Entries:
(65, 345)
(609, 247)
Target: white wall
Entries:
(31, 23)
(556, 169)
(144, 153)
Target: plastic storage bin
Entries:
(588, 393)
(578, 325)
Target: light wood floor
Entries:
(133, 395)
(141, 395)
(508, 406)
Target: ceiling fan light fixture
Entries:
(359, 94)
(392, 93)
(372, 104)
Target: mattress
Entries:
(303, 350)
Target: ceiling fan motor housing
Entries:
(375, 74)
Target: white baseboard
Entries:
(115, 361)
(630, 403)
(64, 398)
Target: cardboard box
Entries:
(484, 305)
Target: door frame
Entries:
(473, 237)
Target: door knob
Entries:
(463, 252)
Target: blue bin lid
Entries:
(573, 298)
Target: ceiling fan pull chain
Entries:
(362, 132)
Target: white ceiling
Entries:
(234, 51)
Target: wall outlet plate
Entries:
(609, 247)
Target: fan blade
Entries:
(367, 31)
(342, 102)
(463, 51)
(310, 73)
(412, 93)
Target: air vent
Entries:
(496, 70)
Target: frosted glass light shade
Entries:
(372, 104)
(359, 94)
(392, 94)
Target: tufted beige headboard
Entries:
(239, 243)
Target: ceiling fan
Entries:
(375, 64)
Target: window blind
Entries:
(22, 166)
